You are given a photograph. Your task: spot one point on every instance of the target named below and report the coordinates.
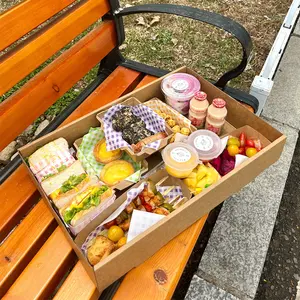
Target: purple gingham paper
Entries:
(153, 122)
(173, 193)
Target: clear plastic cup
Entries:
(179, 89)
(206, 143)
(180, 159)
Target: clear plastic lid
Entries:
(181, 86)
(207, 144)
(180, 156)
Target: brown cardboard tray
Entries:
(146, 244)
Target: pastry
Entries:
(103, 156)
(116, 171)
(101, 247)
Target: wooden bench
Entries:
(35, 259)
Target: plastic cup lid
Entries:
(207, 144)
(180, 156)
(181, 86)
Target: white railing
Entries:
(262, 85)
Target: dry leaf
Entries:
(210, 66)
(141, 21)
(174, 41)
(123, 47)
(154, 37)
(155, 20)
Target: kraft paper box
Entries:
(146, 244)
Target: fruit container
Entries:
(207, 144)
(179, 89)
(180, 159)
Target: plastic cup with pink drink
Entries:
(179, 89)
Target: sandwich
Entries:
(62, 187)
(50, 159)
(85, 203)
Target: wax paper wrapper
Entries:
(55, 160)
(152, 120)
(140, 222)
(157, 104)
(92, 167)
(131, 195)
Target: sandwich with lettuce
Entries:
(85, 203)
(62, 187)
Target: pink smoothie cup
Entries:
(179, 89)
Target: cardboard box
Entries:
(145, 245)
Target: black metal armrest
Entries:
(227, 24)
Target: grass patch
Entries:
(177, 41)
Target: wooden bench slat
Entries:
(22, 108)
(24, 17)
(139, 283)
(46, 44)
(18, 192)
(19, 248)
(120, 82)
(42, 275)
(147, 79)
(78, 285)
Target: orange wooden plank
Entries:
(147, 79)
(120, 82)
(41, 276)
(18, 191)
(140, 282)
(23, 243)
(36, 51)
(78, 285)
(22, 108)
(17, 195)
(24, 17)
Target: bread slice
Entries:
(53, 183)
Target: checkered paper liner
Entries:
(131, 195)
(175, 192)
(153, 122)
(156, 104)
(86, 156)
(51, 165)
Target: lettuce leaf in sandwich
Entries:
(84, 202)
(71, 183)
